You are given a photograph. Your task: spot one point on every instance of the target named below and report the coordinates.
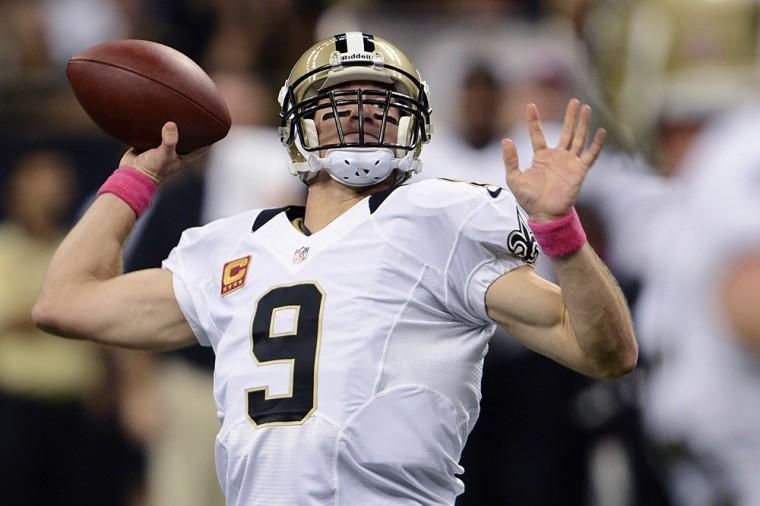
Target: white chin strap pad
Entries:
(356, 167)
(359, 167)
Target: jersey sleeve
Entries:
(190, 297)
(492, 240)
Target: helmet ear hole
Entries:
(310, 132)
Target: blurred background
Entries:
(672, 206)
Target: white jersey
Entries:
(348, 362)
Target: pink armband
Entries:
(131, 186)
(559, 237)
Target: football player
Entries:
(350, 334)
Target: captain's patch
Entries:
(234, 274)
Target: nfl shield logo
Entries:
(300, 254)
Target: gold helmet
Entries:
(355, 57)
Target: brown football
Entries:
(130, 88)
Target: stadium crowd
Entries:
(672, 206)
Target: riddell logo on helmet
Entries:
(356, 56)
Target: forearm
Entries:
(89, 255)
(92, 251)
(597, 314)
(85, 295)
(586, 323)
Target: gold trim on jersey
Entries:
(297, 222)
(292, 332)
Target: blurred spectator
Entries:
(58, 444)
(547, 83)
(26, 52)
(249, 168)
(649, 57)
(187, 26)
(693, 239)
(471, 150)
(70, 26)
(262, 36)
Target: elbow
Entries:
(49, 315)
(619, 369)
(43, 315)
(619, 363)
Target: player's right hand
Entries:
(163, 161)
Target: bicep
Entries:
(134, 310)
(531, 310)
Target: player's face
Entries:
(349, 118)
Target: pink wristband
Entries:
(131, 186)
(559, 237)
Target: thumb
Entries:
(169, 137)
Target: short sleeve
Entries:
(492, 240)
(189, 298)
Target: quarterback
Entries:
(350, 334)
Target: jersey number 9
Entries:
(286, 329)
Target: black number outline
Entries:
(250, 392)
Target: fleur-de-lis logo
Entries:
(521, 242)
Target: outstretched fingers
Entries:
(575, 132)
(589, 157)
(569, 123)
(509, 153)
(537, 138)
(581, 131)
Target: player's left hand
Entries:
(549, 188)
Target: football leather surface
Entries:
(130, 88)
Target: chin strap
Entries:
(356, 166)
